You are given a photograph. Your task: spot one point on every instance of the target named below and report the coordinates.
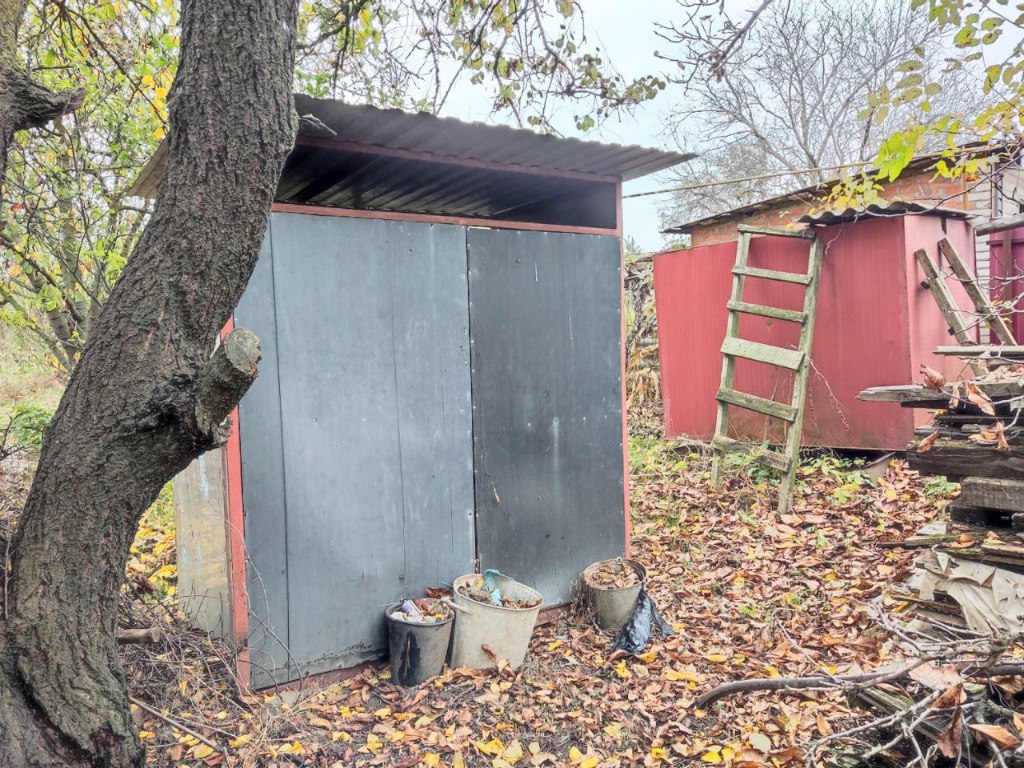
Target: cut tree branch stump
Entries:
(226, 377)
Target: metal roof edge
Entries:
(917, 164)
(449, 137)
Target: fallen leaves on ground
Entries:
(749, 592)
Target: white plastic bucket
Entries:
(506, 631)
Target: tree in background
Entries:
(67, 225)
(987, 37)
(527, 57)
(145, 396)
(794, 88)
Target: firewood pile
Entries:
(976, 435)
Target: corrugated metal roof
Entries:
(444, 138)
(894, 208)
(809, 193)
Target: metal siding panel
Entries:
(263, 490)
(863, 335)
(373, 331)
(546, 327)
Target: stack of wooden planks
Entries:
(976, 436)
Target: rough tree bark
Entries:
(146, 398)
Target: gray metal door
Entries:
(356, 437)
(545, 325)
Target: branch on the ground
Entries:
(141, 635)
(831, 682)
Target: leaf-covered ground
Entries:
(750, 594)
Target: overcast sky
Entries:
(625, 31)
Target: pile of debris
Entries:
(976, 436)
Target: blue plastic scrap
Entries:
(490, 587)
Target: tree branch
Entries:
(226, 378)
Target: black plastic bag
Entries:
(636, 632)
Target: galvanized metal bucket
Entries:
(417, 651)
(613, 606)
(505, 631)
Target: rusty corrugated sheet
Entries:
(883, 210)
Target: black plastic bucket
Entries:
(417, 651)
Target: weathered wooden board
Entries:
(760, 404)
(374, 448)
(547, 399)
(963, 459)
(917, 395)
(762, 353)
(201, 543)
(982, 350)
(1006, 495)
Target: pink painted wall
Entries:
(1006, 254)
(873, 328)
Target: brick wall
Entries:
(920, 187)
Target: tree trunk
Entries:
(141, 401)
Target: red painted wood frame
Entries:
(465, 221)
(628, 519)
(235, 524)
(235, 519)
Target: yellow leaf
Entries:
(431, 760)
(494, 747)
(241, 740)
(341, 736)
(683, 675)
(717, 658)
(144, 735)
(621, 670)
(295, 748)
(383, 712)
(385, 675)
(373, 743)
(613, 729)
(513, 751)
(648, 657)
(728, 753)
(555, 645)
(576, 756)
(772, 671)
(659, 753)
(201, 751)
(713, 756)
(591, 762)
(458, 761)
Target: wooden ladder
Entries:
(797, 360)
(959, 327)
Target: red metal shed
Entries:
(1006, 271)
(875, 325)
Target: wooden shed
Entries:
(439, 307)
(875, 325)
